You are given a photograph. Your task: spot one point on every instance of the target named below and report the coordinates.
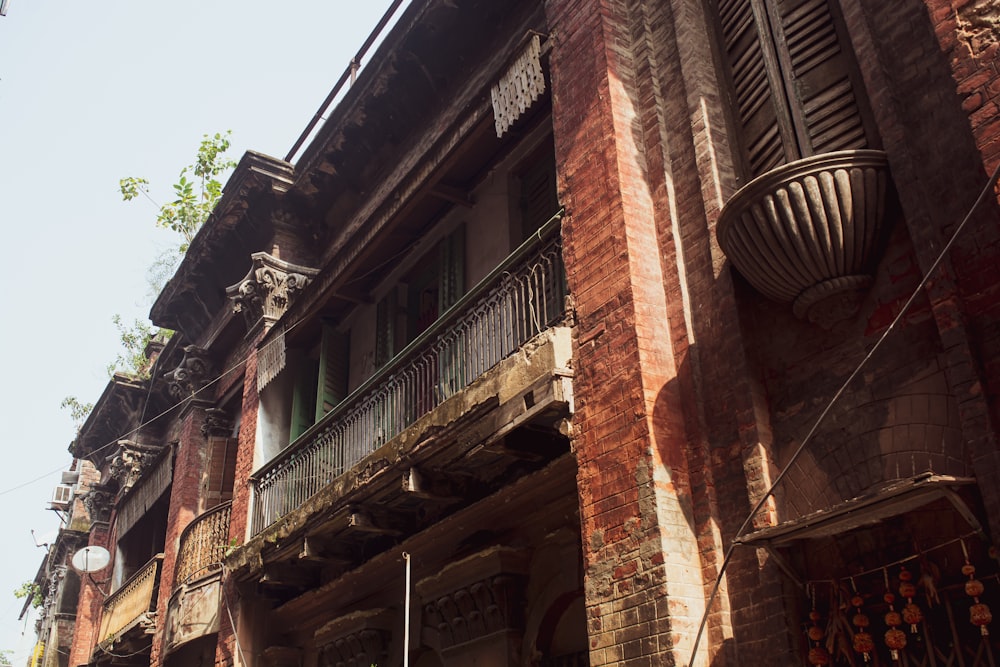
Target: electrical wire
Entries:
(918, 290)
(114, 442)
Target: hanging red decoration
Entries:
(895, 638)
(911, 612)
(862, 642)
(817, 654)
(979, 613)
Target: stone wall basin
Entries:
(808, 232)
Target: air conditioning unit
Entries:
(70, 477)
(62, 496)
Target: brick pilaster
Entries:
(633, 472)
(185, 497)
(226, 649)
(91, 600)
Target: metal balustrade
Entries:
(132, 601)
(519, 299)
(203, 544)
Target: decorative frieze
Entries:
(359, 638)
(492, 605)
(191, 375)
(99, 501)
(268, 289)
(476, 597)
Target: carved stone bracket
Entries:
(493, 601)
(268, 289)
(99, 502)
(130, 461)
(191, 375)
(360, 638)
(217, 422)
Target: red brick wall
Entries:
(91, 600)
(931, 73)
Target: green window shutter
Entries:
(385, 328)
(303, 398)
(451, 263)
(334, 363)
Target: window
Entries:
(537, 200)
(320, 379)
(434, 285)
(793, 81)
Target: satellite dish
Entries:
(91, 559)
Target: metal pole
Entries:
(406, 614)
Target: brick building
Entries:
(494, 370)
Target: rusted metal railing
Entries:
(132, 601)
(203, 544)
(520, 298)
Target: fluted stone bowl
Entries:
(807, 232)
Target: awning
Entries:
(891, 500)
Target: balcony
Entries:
(516, 302)
(132, 605)
(203, 544)
(193, 609)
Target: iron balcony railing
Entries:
(132, 601)
(203, 544)
(519, 299)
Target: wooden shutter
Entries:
(827, 117)
(221, 470)
(451, 267)
(765, 123)
(333, 369)
(539, 200)
(385, 328)
(791, 79)
(303, 398)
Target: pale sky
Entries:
(91, 92)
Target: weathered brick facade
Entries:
(569, 496)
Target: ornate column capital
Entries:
(217, 422)
(268, 289)
(191, 375)
(130, 461)
(99, 502)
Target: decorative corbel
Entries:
(192, 374)
(268, 289)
